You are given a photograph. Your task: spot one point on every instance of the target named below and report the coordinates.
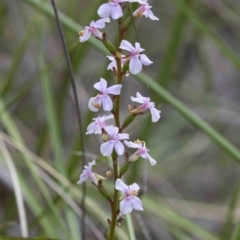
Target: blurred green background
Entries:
(192, 193)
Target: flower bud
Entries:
(127, 23)
(108, 44)
(128, 121)
(124, 168)
(126, 68)
(103, 191)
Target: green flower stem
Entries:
(117, 120)
(115, 199)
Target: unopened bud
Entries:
(126, 68)
(127, 23)
(104, 137)
(124, 168)
(108, 44)
(129, 119)
(103, 191)
(138, 13)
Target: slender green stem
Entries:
(115, 199)
(117, 121)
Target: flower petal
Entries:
(91, 128)
(122, 136)
(106, 148)
(139, 95)
(152, 161)
(132, 144)
(121, 186)
(101, 85)
(111, 130)
(135, 66)
(93, 178)
(94, 101)
(100, 23)
(119, 148)
(85, 36)
(125, 45)
(155, 114)
(138, 48)
(104, 10)
(137, 203)
(107, 103)
(149, 13)
(126, 206)
(115, 89)
(133, 187)
(145, 60)
(116, 11)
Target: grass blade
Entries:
(230, 215)
(17, 189)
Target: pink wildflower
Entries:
(129, 201)
(98, 124)
(144, 9)
(113, 64)
(112, 8)
(146, 104)
(93, 29)
(136, 58)
(142, 151)
(113, 141)
(102, 98)
(87, 173)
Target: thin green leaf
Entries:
(227, 229)
(130, 227)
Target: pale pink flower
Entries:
(144, 9)
(113, 141)
(102, 99)
(98, 124)
(129, 200)
(136, 58)
(88, 174)
(113, 64)
(142, 151)
(112, 8)
(146, 104)
(93, 29)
